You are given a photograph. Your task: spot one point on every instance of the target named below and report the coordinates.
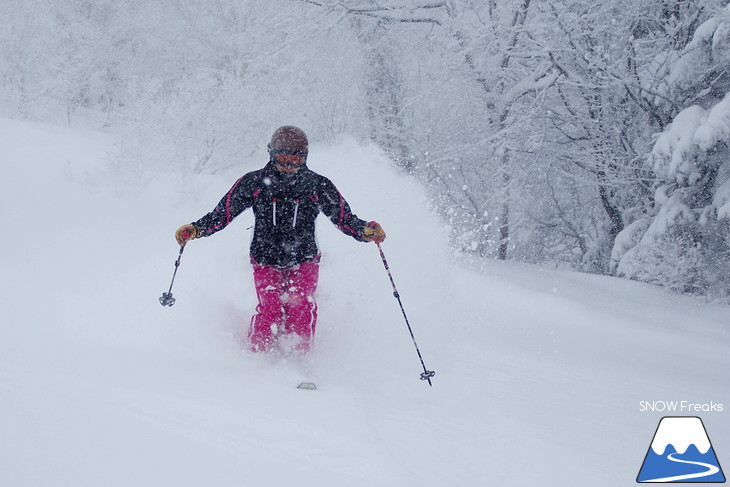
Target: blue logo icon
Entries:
(680, 452)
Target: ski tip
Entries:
(309, 386)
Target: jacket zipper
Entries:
(296, 212)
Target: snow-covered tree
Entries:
(384, 93)
(684, 242)
(605, 106)
(25, 74)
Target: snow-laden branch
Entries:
(537, 81)
(415, 12)
(694, 131)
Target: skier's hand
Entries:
(185, 233)
(373, 232)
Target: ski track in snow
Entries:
(711, 470)
(539, 372)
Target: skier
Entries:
(286, 197)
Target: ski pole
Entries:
(166, 299)
(427, 374)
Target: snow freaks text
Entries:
(682, 407)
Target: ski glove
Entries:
(185, 233)
(373, 232)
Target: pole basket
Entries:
(166, 299)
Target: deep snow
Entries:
(540, 373)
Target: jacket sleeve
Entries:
(238, 198)
(334, 206)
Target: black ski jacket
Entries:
(285, 207)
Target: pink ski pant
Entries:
(286, 305)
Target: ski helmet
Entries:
(289, 139)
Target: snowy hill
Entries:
(540, 373)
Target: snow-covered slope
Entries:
(540, 373)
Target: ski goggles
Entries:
(289, 158)
(302, 153)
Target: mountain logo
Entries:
(680, 452)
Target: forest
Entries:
(584, 135)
